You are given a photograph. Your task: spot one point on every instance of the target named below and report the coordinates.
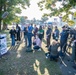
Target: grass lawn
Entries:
(19, 62)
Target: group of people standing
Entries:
(29, 32)
(63, 37)
(59, 38)
(15, 34)
(38, 34)
(35, 32)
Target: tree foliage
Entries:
(13, 7)
(51, 5)
(44, 19)
(65, 18)
(75, 14)
(71, 23)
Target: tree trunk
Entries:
(4, 26)
(4, 22)
(0, 25)
(0, 13)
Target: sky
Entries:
(33, 11)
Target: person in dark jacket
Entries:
(35, 30)
(12, 35)
(63, 39)
(56, 33)
(18, 32)
(53, 53)
(25, 35)
(48, 36)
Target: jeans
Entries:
(25, 36)
(29, 35)
(63, 46)
(13, 40)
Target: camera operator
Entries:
(63, 40)
(74, 45)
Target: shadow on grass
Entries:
(20, 62)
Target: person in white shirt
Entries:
(37, 42)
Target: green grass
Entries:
(19, 62)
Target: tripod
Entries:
(68, 47)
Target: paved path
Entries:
(66, 66)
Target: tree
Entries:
(12, 6)
(74, 14)
(22, 20)
(51, 5)
(44, 19)
(71, 23)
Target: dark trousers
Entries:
(51, 56)
(13, 40)
(36, 47)
(73, 53)
(54, 57)
(48, 41)
(29, 36)
(18, 36)
(25, 36)
(63, 46)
